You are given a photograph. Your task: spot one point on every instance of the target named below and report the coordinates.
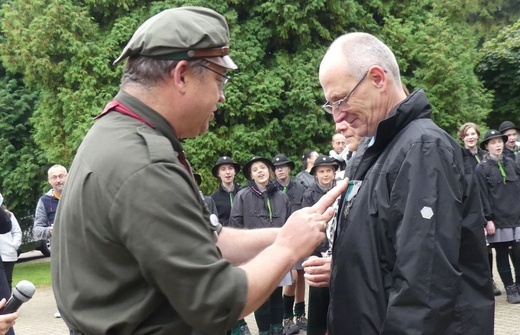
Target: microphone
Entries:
(22, 292)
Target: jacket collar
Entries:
(415, 106)
(147, 113)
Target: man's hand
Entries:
(317, 271)
(304, 230)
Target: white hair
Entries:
(56, 166)
(363, 50)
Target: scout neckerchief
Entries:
(231, 198)
(117, 106)
(502, 171)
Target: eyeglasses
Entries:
(56, 177)
(222, 83)
(329, 107)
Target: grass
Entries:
(38, 273)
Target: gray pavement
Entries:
(37, 316)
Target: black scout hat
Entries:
(281, 159)
(323, 160)
(490, 134)
(506, 125)
(247, 167)
(181, 34)
(224, 160)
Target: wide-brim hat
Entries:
(224, 160)
(281, 159)
(506, 125)
(247, 167)
(324, 160)
(184, 33)
(491, 134)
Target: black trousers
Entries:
(318, 307)
(5, 291)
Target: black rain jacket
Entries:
(499, 198)
(224, 200)
(410, 257)
(294, 191)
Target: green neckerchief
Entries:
(477, 158)
(269, 208)
(502, 171)
(231, 198)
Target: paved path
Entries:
(37, 316)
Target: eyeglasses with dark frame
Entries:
(222, 83)
(59, 176)
(330, 106)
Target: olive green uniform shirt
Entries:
(133, 250)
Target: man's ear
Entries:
(180, 75)
(378, 77)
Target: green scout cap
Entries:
(181, 34)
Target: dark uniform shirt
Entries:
(224, 201)
(500, 191)
(294, 191)
(134, 250)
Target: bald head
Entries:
(360, 80)
(339, 142)
(360, 51)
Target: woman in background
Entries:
(324, 171)
(260, 204)
(6, 321)
(9, 244)
(469, 135)
(498, 180)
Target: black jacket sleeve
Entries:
(5, 222)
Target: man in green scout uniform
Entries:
(134, 251)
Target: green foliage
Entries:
(57, 47)
(20, 158)
(486, 17)
(437, 51)
(499, 68)
(64, 50)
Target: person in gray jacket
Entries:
(262, 205)
(293, 295)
